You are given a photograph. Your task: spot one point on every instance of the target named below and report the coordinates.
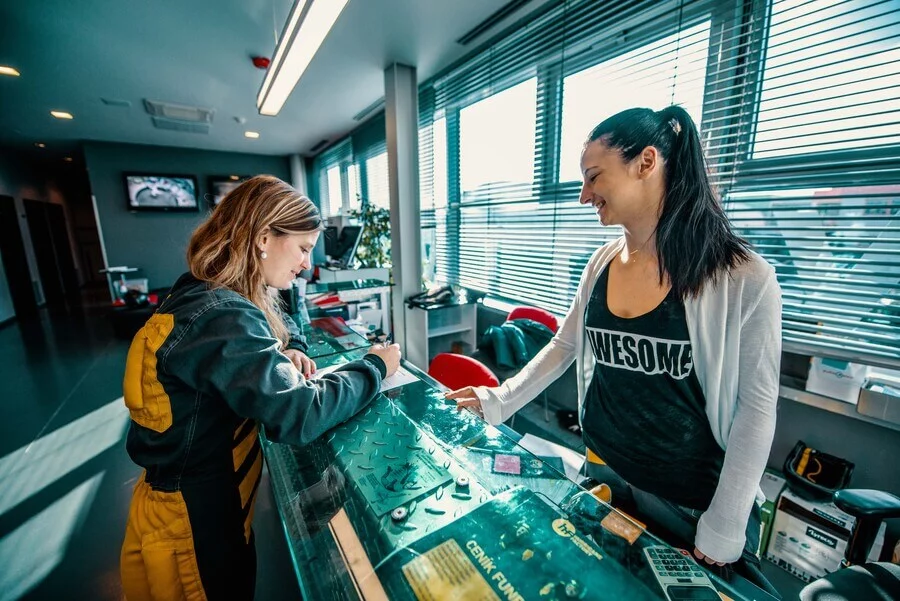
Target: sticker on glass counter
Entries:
(507, 464)
(528, 466)
(445, 572)
(522, 548)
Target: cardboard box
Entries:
(876, 403)
(772, 484)
(809, 539)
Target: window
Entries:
(798, 103)
(433, 200)
(664, 72)
(513, 227)
(830, 79)
(335, 197)
(353, 186)
(812, 178)
(377, 188)
(835, 252)
(496, 140)
(332, 180)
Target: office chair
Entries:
(458, 371)
(858, 580)
(534, 314)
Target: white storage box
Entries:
(837, 379)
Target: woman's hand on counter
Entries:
(304, 364)
(465, 397)
(390, 354)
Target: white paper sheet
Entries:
(399, 378)
(572, 460)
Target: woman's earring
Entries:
(263, 255)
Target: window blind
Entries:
(515, 117)
(802, 126)
(353, 169)
(332, 178)
(798, 103)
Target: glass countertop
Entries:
(412, 499)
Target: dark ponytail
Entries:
(694, 240)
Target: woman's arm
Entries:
(297, 340)
(721, 530)
(229, 353)
(500, 403)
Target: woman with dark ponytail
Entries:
(676, 334)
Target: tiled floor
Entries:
(65, 479)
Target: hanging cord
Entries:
(677, 51)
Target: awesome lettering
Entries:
(643, 354)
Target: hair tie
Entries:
(675, 125)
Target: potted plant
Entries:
(374, 249)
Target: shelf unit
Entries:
(439, 330)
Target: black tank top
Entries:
(644, 413)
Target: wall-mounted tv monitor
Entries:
(220, 186)
(150, 192)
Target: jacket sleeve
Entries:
(229, 353)
(297, 340)
(501, 402)
(721, 529)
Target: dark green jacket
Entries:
(516, 342)
(206, 368)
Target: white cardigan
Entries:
(735, 332)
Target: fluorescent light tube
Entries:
(300, 40)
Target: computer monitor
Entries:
(346, 244)
(331, 241)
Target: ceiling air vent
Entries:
(369, 110)
(500, 14)
(116, 102)
(176, 125)
(180, 112)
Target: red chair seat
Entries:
(458, 371)
(535, 314)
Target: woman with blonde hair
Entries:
(215, 360)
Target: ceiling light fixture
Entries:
(67, 159)
(306, 29)
(4, 70)
(234, 178)
(40, 144)
(251, 134)
(62, 115)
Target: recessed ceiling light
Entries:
(251, 134)
(4, 70)
(40, 144)
(62, 115)
(67, 159)
(234, 178)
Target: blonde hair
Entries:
(223, 250)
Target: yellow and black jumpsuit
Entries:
(200, 375)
